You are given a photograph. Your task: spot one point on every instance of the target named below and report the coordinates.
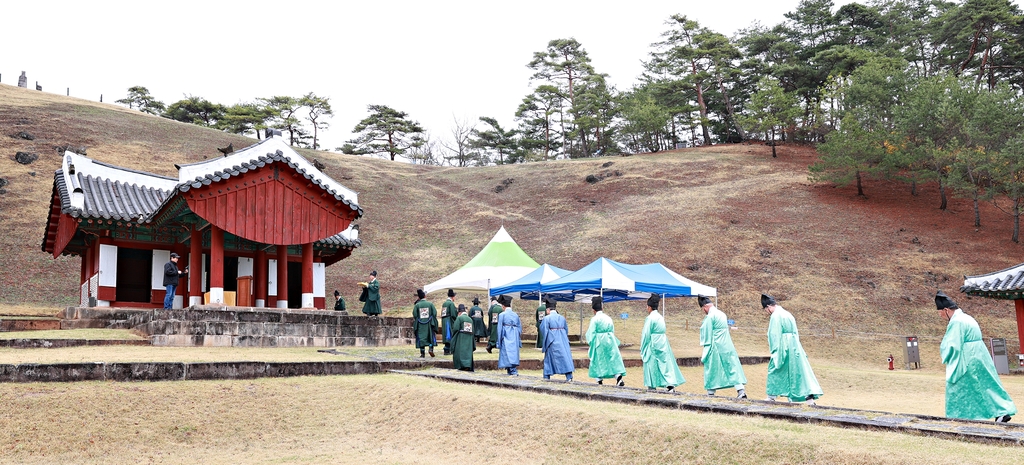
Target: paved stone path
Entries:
(975, 431)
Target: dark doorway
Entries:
(230, 273)
(134, 275)
(294, 284)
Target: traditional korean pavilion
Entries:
(260, 224)
(1005, 284)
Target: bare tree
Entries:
(460, 149)
(425, 152)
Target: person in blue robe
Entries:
(554, 330)
(510, 331)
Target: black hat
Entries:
(476, 301)
(462, 308)
(336, 293)
(942, 301)
(420, 293)
(505, 300)
(451, 293)
(373, 273)
(550, 302)
(595, 302)
(174, 255)
(654, 301)
(767, 300)
(703, 300)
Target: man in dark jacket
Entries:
(171, 276)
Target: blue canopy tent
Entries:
(528, 287)
(617, 281)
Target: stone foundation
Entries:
(209, 326)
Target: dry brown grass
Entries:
(401, 419)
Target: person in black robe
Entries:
(339, 301)
(477, 314)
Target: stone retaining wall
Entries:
(28, 324)
(179, 371)
(246, 326)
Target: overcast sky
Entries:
(436, 60)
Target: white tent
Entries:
(500, 262)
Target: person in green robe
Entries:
(789, 372)
(605, 358)
(372, 306)
(448, 316)
(463, 342)
(660, 368)
(424, 323)
(339, 301)
(492, 325)
(973, 389)
(477, 314)
(542, 311)
(721, 362)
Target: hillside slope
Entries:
(728, 216)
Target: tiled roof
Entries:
(271, 150)
(107, 191)
(1005, 284)
(339, 240)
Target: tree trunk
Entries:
(942, 195)
(977, 212)
(729, 109)
(1016, 220)
(860, 185)
(913, 188)
(772, 142)
(701, 105)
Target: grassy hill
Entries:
(729, 216)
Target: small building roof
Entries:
(93, 189)
(1002, 284)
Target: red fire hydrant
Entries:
(890, 360)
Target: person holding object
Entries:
(171, 276)
(371, 305)
(448, 316)
(424, 323)
(339, 302)
(463, 343)
(510, 331)
(973, 389)
(789, 373)
(605, 358)
(557, 353)
(722, 367)
(660, 368)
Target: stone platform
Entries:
(975, 431)
(216, 326)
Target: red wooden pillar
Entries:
(1019, 304)
(259, 271)
(282, 276)
(195, 267)
(180, 292)
(307, 275)
(216, 265)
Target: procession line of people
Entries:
(973, 388)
